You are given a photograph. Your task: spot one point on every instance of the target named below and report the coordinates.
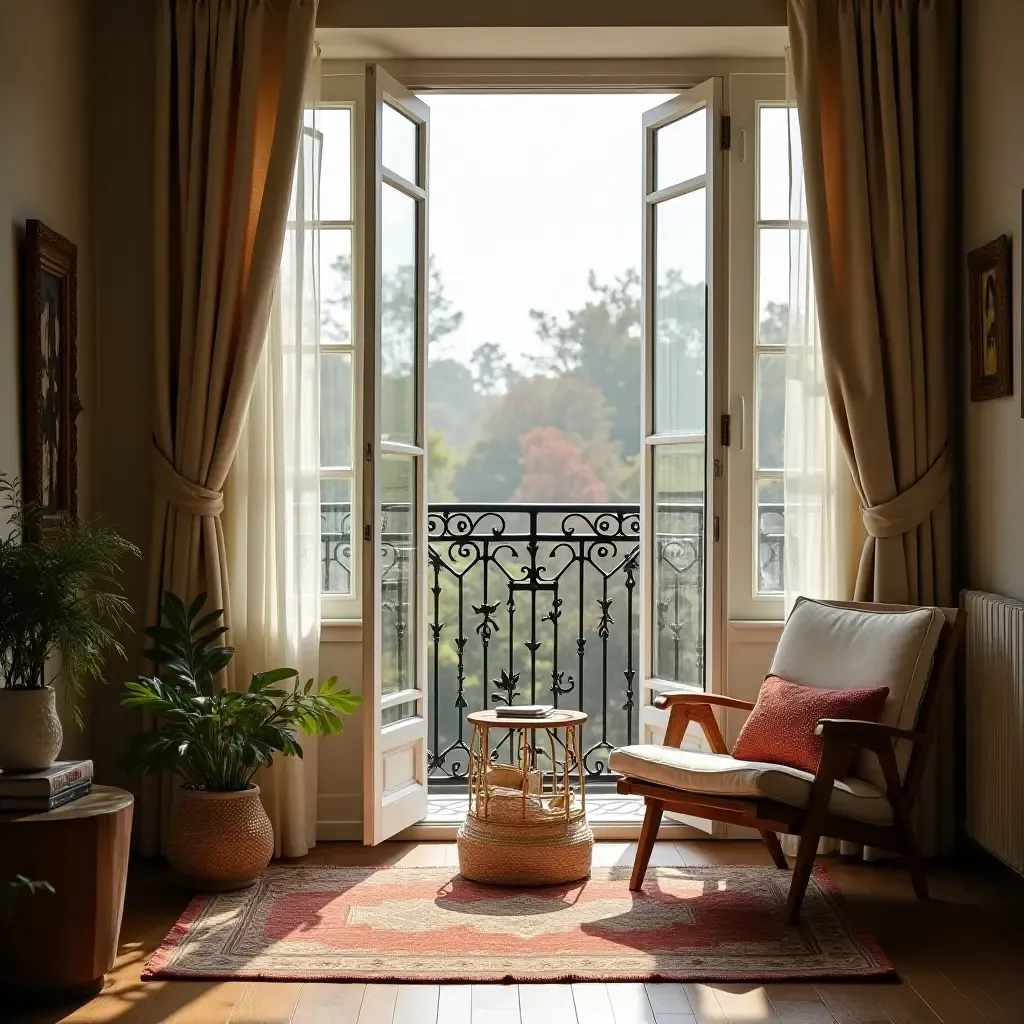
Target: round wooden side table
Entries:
(67, 939)
(521, 827)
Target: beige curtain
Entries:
(272, 498)
(229, 101)
(875, 84)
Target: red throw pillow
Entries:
(780, 729)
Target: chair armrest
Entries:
(669, 700)
(859, 733)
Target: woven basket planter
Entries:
(219, 841)
(540, 848)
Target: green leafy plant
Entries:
(217, 739)
(60, 593)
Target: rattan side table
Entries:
(519, 828)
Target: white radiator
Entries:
(995, 724)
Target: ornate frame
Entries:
(995, 256)
(50, 255)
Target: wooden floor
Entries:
(960, 956)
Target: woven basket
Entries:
(544, 850)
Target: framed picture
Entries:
(49, 368)
(988, 304)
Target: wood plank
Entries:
(798, 1004)
(592, 1003)
(322, 1002)
(455, 1004)
(667, 997)
(853, 1004)
(615, 854)
(630, 1004)
(704, 1004)
(378, 1005)
(266, 1002)
(416, 1004)
(903, 1005)
(496, 1004)
(945, 1001)
(746, 1003)
(547, 1004)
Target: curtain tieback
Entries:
(182, 493)
(912, 507)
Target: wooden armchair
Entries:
(774, 799)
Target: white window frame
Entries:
(346, 91)
(748, 94)
(748, 81)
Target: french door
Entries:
(683, 366)
(395, 456)
(684, 344)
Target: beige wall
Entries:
(44, 174)
(122, 165)
(993, 75)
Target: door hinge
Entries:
(369, 452)
(726, 131)
(726, 430)
(367, 533)
(716, 527)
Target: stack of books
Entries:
(44, 790)
(524, 711)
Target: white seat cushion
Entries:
(723, 775)
(853, 649)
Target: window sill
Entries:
(341, 631)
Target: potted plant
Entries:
(60, 595)
(215, 740)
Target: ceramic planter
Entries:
(219, 841)
(30, 732)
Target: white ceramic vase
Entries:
(30, 732)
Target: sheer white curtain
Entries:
(272, 503)
(822, 522)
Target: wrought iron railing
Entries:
(535, 603)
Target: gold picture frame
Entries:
(988, 310)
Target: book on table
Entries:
(30, 804)
(42, 786)
(525, 711)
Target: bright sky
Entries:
(527, 194)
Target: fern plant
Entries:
(60, 593)
(213, 738)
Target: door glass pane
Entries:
(770, 535)
(336, 169)
(679, 562)
(772, 285)
(336, 286)
(336, 409)
(398, 144)
(336, 536)
(778, 137)
(680, 323)
(398, 572)
(681, 149)
(771, 409)
(398, 317)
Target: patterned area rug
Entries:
(429, 924)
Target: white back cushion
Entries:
(855, 649)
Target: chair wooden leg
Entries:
(801, 873)
(912, 853)
(771, 840)
(645, 847)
